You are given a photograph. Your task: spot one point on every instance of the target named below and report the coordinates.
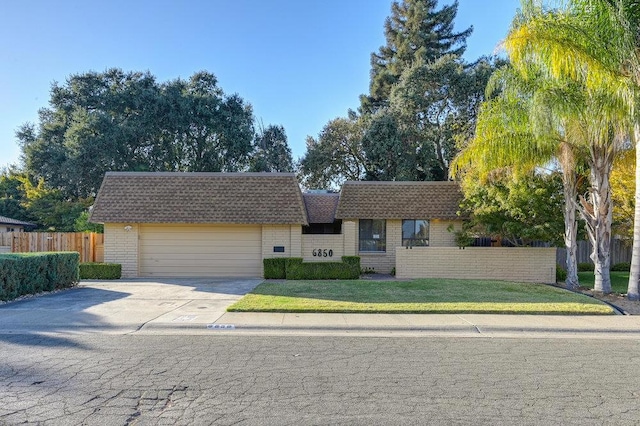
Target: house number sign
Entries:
(322, 253)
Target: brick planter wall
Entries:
(536, 265)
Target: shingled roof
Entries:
(399, 200)
(269, 198)
(8, 221)
(321, 208)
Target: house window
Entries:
(415, 232)
(373, 235)
(323, 228)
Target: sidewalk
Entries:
(463, 325)
(198, 307)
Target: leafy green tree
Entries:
(12, 195)
(82, 224)
(622, 192)
(423, 96)
(95, 122)
(337, 155)
(518, 210)
(436, 104)
(271, 151)
(422, 103)
(389, 150)
(114, 120)
(49, 207)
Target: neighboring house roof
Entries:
(321, 208)
(147, 197)
(399, 200)
(8, 221)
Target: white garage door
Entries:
(200, 250)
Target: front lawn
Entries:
(619, 281)
(417, 296)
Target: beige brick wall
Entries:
(277, 235)
(350, 238)
(323, 242)
(439, 236)
(536, 265)
(296, 240)
(121, 246)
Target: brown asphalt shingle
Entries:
(269, 198)
(399, 200)
(321, 208)
(8, 221)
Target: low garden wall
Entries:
(536, 265)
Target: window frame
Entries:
(379, 244)
(414, 241)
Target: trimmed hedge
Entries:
(621, 267)
(293, 268)
(31, 273)
(585, 267)
(100, 271)
(348, 269)
(275, 268)
(588, 267)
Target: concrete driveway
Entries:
(124, 306)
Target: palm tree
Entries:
(532, 122)
(587, 42)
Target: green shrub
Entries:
(275, 268)
(585, 267)
(30, 273)
(352, 260)
(561, 274)
(621, 267)
(100, 271)
(348, 269)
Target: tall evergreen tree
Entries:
(415, 31)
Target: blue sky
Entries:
(300, 63)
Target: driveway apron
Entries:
(123, 306)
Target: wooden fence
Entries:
(89, 245)
(620, 252)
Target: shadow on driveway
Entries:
(231, 286)
(41, 317)
(73, 299)
(119, 307)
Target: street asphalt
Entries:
(141, 352)
(193, 306)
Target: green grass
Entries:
(619, 281)
(417, 296)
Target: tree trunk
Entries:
(597, 212)
(571, 234)
(570, 188)
(633, 292)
